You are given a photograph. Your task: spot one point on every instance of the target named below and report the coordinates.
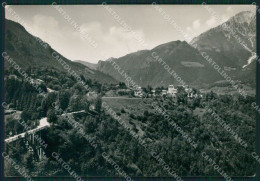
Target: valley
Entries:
(82, 110)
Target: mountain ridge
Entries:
(28, 50)
(222, 47)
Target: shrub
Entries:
(132, 116)
(146, 113)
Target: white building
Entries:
(188, 90)
(153, 92)
(171, 90)
(138, 92)
(193, 95)
(190, 94)
(37, 81)
(164, 92)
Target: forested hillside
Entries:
(107, 135)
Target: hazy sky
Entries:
(111, 38)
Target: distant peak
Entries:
(245, 13)
(170, 44)
(243, 17)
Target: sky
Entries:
(110, 38)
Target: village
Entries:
(149, 92)
(170, 92)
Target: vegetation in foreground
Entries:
(112, 138)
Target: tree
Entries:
(29, 162)
(98, 104)
(29, 70)
(122, 85)
(149, 89)
(51, 116)
(82, 78)
(181, 95)
(76, 103)
(146, 113)
(26, 115)
(87, 104)
(64, 98)
(158, 90)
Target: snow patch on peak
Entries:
(250, 59)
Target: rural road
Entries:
(43, 124)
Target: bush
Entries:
(122, 110)
(26, 115)
(146, 113)
(144, 119)
(139, 118)
(51, 116)
(132, 116)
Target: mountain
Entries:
(90, 65)
(235, 44)
(27, 50)
(144, 69)
(188, 63)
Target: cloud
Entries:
(123, 41)
(111, 38)
(229, 9)
(114, 38)
(44, 27)
(196, 24)
(217, 20)
(211, 22)
(224, 18)
(190, 32)
(195, 29)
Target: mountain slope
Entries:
(90, 65)
(188, 63)
(234, 40)
(27, 50)
(144, 70)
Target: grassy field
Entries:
(130, 105)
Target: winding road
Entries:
(43, 124)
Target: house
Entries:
(50, 90)
(12, 76)
(92, 107)
(7, 112)
(92, 94)
(203, 92)
(192, 95)
(171, 90)
(122, 92)
(188, 90)
(39, 81)
(138, 92)
(164, 92)
(153, 92)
